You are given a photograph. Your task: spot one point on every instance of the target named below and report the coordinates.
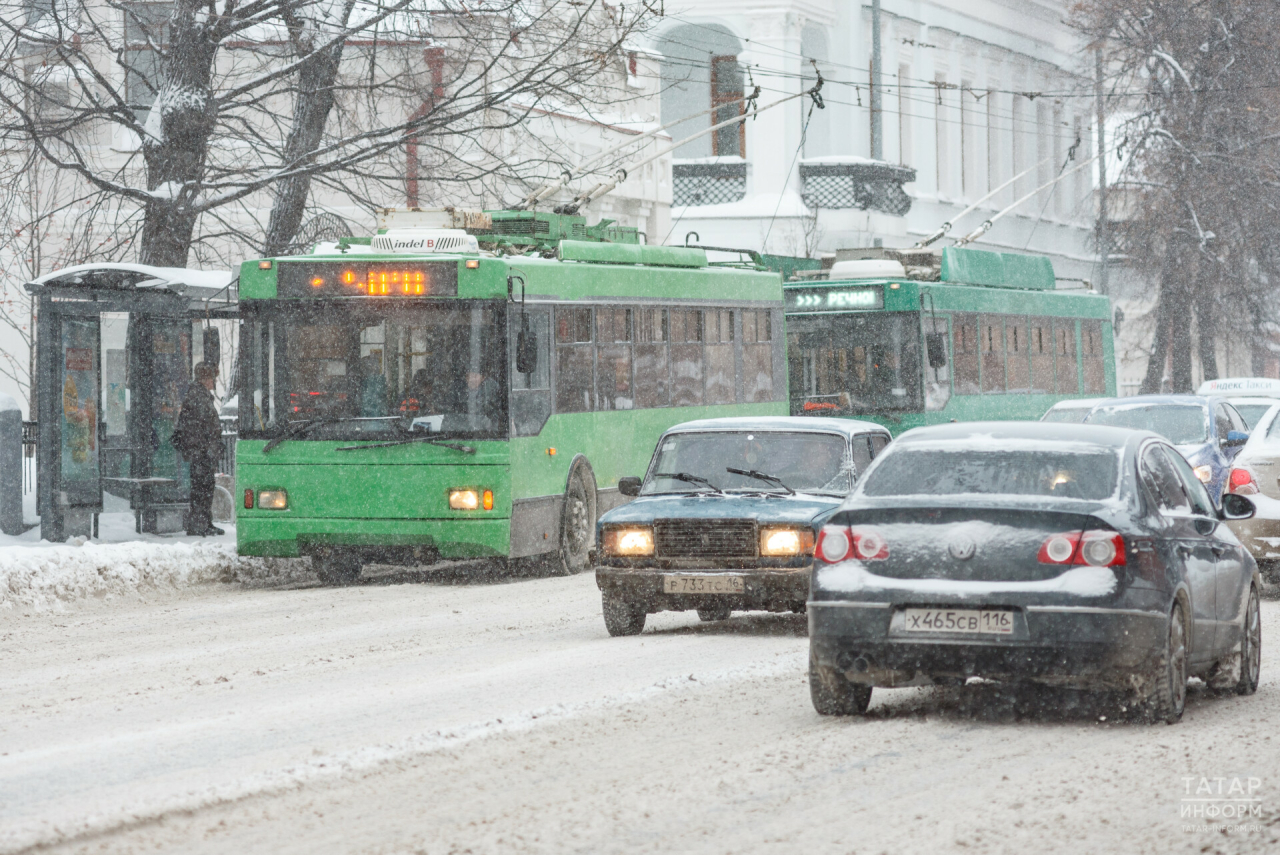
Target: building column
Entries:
(773, 56)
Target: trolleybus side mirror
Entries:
(630, 486)
(936, 344)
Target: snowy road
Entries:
(415, 715)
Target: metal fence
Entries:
(866, 186)
(707, 183)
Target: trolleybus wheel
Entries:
(336, 569)
(576, 524)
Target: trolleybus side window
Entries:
(574, 358)
(686, 326)
(719, 357)
(613, 359)
(531, 391)
(991, 335)
(652, 387)
(1064, 350)
(1017, 353)
(965, 330)
(937, 386)
(1095, 374)
(757, 356)
(1042, 355)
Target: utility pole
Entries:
(877, 131)
(1104, 247)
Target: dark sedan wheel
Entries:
(833, 694)
(1169, 697)
(714, 613)
(622, 617)
(1250, 647)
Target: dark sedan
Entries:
(1069, 554)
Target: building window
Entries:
(726, 99)
(146, 35)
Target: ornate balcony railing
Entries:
(866, 186)
(708, 183)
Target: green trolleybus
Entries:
(908, 338)
(409, 399)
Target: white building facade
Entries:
(974, 92)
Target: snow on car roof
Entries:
(1077, 404)
(1033, 435)
(1262, 386)
(781, 423)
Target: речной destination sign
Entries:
(835, 299)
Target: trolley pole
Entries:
(877, 130)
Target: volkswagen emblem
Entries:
(962, 548)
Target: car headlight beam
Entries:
(777, 542)
(629, 541)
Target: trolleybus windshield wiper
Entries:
(298, 428)
(433, 440)
(760, 476)
(688, 479)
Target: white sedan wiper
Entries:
(688, 479)
(760, 476)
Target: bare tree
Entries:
(1197, 79)
(197, 115)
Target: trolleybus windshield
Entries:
(854, 363)
(378, 372)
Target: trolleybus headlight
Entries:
(629, 541)
(273, 500)
(1204, 472)
(464, 499)
(781, 542)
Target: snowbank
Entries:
(47, 577)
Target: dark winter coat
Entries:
(198, 433)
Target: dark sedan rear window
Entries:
(933, 471)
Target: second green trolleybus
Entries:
(408, 399)
(956, 335)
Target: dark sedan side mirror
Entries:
(1236, 507)
(1235, 439)
(629, 486)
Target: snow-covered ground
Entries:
(451, 712)
(36, 575)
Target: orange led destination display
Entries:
(366, 279)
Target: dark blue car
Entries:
(1207, 431)
(726, 517)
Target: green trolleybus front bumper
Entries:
(393, 513)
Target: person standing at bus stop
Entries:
(199, 437)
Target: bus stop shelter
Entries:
(115, 348)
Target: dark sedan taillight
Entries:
(841, 542)
(1094, 548)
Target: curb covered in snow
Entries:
(48, 577)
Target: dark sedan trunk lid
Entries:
(968, 544)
